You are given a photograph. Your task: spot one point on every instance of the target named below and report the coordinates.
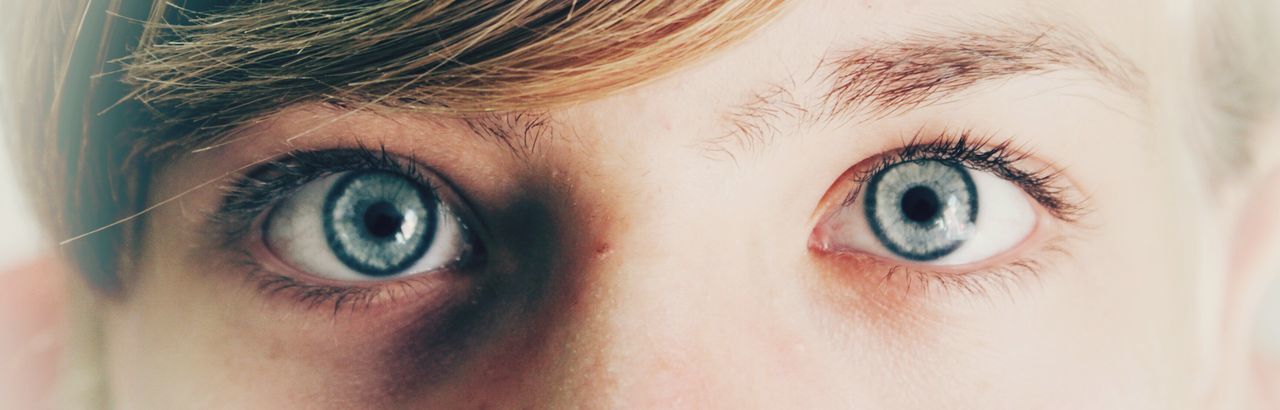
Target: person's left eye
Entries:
(931, 211)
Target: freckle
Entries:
(603, 251)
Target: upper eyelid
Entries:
(983, 153)
(246, 198)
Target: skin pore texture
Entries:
(660, 247)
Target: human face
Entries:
(740, 233)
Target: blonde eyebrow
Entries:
(900, 75)
(894, 76)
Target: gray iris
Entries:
(922, 209)
(379, 223)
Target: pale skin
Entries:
(638, 258)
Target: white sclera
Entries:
(295, 233)
(1005, 219)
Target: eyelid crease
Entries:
(982, 154)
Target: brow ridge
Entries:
(898, 75)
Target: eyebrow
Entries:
(924, 68)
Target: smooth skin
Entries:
(658, 265)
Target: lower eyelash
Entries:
(336, 299)
(311, 296)
(979, 283)
(314, 296)
(984, 282)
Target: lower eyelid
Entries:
(1042, 233)
(887, 281)
(281, 284)
(1023, 264)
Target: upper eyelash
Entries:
(261, 187)
(979, 153)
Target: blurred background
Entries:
(20, 238)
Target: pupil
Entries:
(383, 220)
(920, 204)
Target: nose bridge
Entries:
(668, 305)
(666, 287)
(680, 261)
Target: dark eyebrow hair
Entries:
(893, 76)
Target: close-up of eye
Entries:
(933, 210)
(366, 225)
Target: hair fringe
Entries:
(201, 72)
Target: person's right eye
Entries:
(366, 225)
(350, 226)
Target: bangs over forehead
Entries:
(216, 67)
(146, 80)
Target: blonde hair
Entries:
(157, 80)
(449, 57)
(1237, 84)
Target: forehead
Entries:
(826, 61)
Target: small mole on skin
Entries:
(603, 250)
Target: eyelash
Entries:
(985, 282)
(1044, 185)
(249, 200)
